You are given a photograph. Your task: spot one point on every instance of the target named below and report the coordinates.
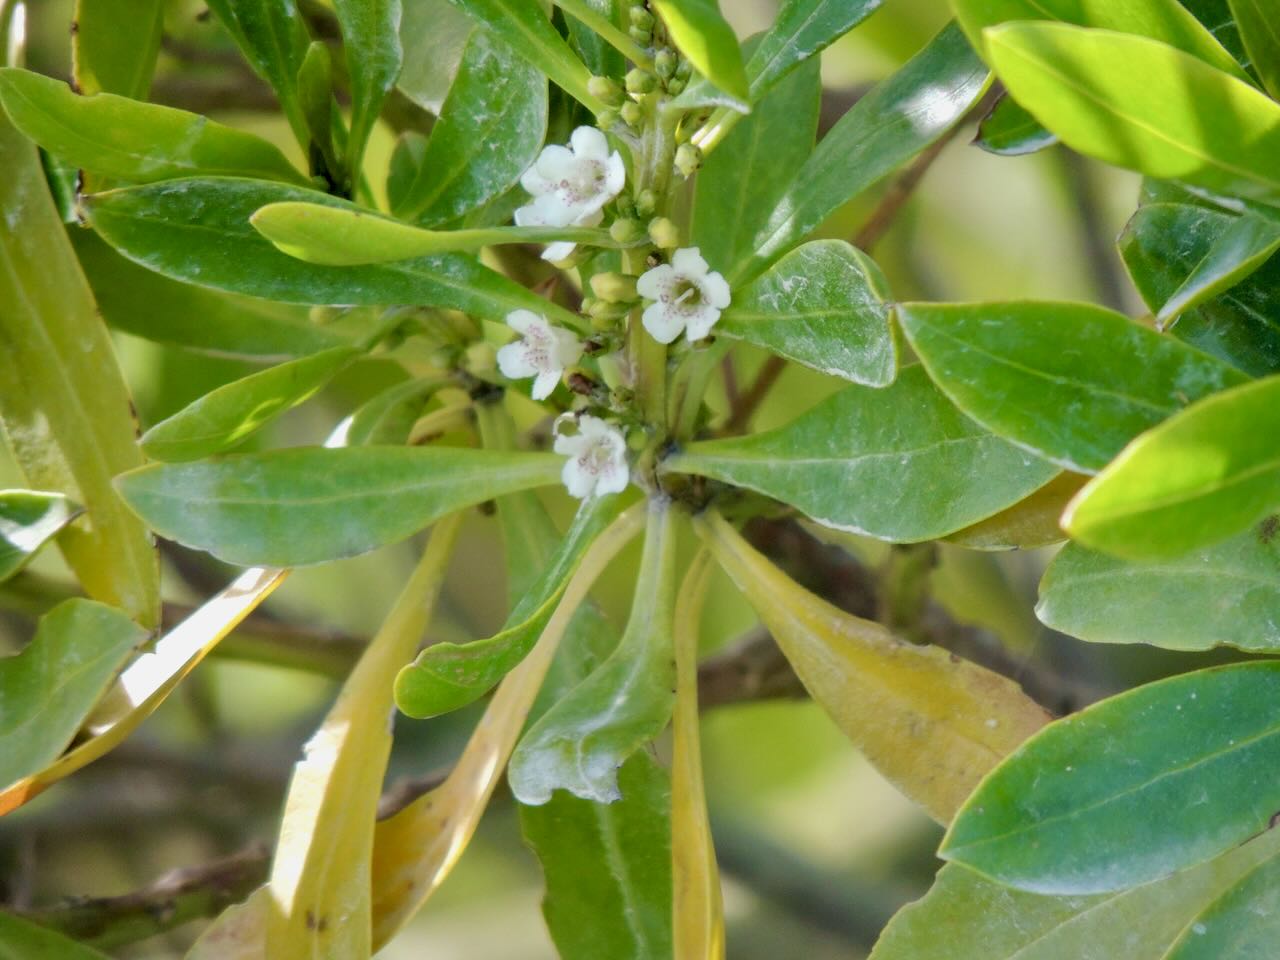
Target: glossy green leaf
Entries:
(23, 940)
(446, 676)
(1260, 31)
(1242, 924)
(1164, 20)
(524, 27)
(1246, 244)
(108, 59)
(1032, 522)
(967, 917)
(702, 35)
(1217, 18)
(897, 119)
(371, 39)
(743, 178)
(608, 867)
(1071, 382)
(801, 30)
(898, 463)
(310, 504)
(130, 140)
(343, 236)
(435, 33)
(319, 109)
(1070, 812)
(388, 417)
(489, 132)
(1198, 478)
(826, 305)
(579, 744)
(1223, 595)
(28, 520)
(223, 418)
(1009, 131)
(63, 402)
(199, 231)
(1143, 105)
(274, 39)
(49, 688)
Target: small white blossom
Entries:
(570, 186)
(597, 458)
(542, 352)
(687, 297)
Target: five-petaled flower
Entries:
(570, 186)
(597, 457)
(687, 296)
(542, 352)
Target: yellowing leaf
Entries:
(932, 723)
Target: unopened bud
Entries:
(608, 118)
(614, 287)
(640, 17)
(640, 82)
(675, 86)
(665, 63)
(625, 230)
(632, 115)
(640, 35)
(646, 203)
(604, 89)
(664, 233)
(688, 159)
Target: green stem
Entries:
(712, 133)
(689, 384)
(608, 31)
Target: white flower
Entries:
(542, 352)
(686, 297)
(597, 458)
(570, 186)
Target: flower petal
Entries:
(544, 384)
(715, 290)
(663, 323)
(589, 144)
(513, 361)
(521, 320)
(653, 283)
(556, 163)
(579, 482)
(571, 446)
(558, 251)
(615, 177)
(699, 323)
(688, 262)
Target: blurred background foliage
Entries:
(816, 850)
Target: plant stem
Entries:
(607, 30)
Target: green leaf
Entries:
(1032, 522)
(967, 917)
(579, 744)
(702, 35)
(223, 418)
(1246, 244)
(826, 305)
(198, 231)
(344, 236)
(489, 132)
(28, 519)
(436, 32)
(1143, 105)
(108, 59)
(1164, 20)
(1016, 367)
(1261, 35)
(129, 140)
(1200, 477)
(23, 940)
(274, 39)
(306, 505)
(524, 27)
(1224, 595)
(64, 405)
(897, 119)
(898, 463)
(802, 30)
(1163, 244)
(607, 866)
(1070, 812)
(743, 178)
(388, 417)
(1243, 923)
(371, 39)
(1009, 131)
(446, 676)
(1217, 18)
(55, 682)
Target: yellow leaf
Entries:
(932, 723)
(1032, 522)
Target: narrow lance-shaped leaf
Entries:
(63, 402)
(1143, 105)
(371, 39)
(129, 140)
(1246, 245)
(49, 688)
(801, 30)
(311, 504)
(1260, 32)
(579, 744)
(1070, 812)
(446, 676)
(826, 305)
(967, 917)
(198, 231)
(107, 59)
(28, 520)
(226, 416)
(898, 463)
(29, 941)
(1200, 477)
(1071, 382)
(1243, 922)
(321, 875)
(901, 116)
(700, 32)
(1009, 131)
(435, 32)
(1223, 595)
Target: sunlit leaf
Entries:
(1009, 131)
(701, 34)
(28, 519)
(801, 30)
(1261, 35)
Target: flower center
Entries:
(597, 459)
(687, 295)
(586, 182)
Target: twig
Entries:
(741, 413)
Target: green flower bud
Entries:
(688, 159)
(640, 35)
(614, 287)
(604, 89)
(665, 63)
(608, 118)
(640, 82)
(664, 233)
(646, 203)
(640, 17)
(625, 230)
(675, 86)
(632, 115)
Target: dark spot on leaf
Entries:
(1268, 529)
